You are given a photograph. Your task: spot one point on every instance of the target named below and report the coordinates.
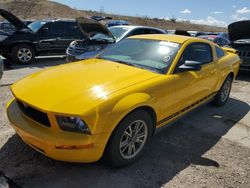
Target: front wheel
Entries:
(129, 139)
(224, 92)
(23, 54)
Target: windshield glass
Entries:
(101, 37)
(118, 32)
(35, 26)
(152, 55)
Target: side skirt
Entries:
(166, 122)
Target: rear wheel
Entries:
(224, 92)
(23, 54)
(129, 139)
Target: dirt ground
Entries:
(208, 148)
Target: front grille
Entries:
(244, 54)
(34, 114)
(76, 50)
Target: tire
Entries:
(224, 92)
(117, 155)
(23, 54)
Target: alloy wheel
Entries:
(24, 55)
(133, 139)
(226, 90)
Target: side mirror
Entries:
(190, 66)
(44, 30)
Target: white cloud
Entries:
(166, 18)
(210, 21)
(244, 10)
(236, 17)
(217, 12)
(185, 11)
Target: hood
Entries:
(19, 25)
(239, 30)
(76, 87)
(89, 27)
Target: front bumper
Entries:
(49, 142)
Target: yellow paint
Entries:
(102, 93)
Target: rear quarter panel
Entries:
(230, 63)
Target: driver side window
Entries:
(200, 52)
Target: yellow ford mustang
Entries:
(110, 106)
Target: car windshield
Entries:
(118, 32)
(102, 37)
(153, 55)
(35, 26)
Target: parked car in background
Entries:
(1, 67)
(178, 32)
(239, 35)
(44, 37)
(216, 39)
(111, 23)
(99, 37)
(111, 106)
(101, 18)
(7, 27)
(224, 35)
(27, 22)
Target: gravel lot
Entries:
(208, 148)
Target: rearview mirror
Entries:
(190, 66)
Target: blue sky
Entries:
(220, 12)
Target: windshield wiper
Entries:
(128, 63)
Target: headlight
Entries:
(73, 43)
(73, 124)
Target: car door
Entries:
(193, 86)
(69, 32)
(48, 36)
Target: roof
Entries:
(164, 37)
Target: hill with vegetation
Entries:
(43, 9)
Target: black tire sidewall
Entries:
(217, 100)
(112, 152)
(15, 51)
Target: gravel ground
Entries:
(208, 148)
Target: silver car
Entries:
(98, 37)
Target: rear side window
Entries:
(71, 30)
(137, 32)
(152, 31)
(56, 29)
(145, 31)
(219, 52)
(200, 52)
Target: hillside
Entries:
(40, 9)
